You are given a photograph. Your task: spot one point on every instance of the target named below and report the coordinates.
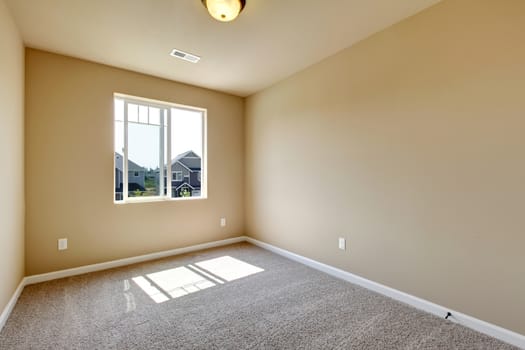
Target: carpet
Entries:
(233, 297)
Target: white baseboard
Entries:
(104, 266)
(492, 330)
(465, 320)
(128, 261)
(11, 304)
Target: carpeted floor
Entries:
(235, 297)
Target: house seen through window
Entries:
(159, 150)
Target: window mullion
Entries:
(125, 155)
(161, 153)
(168, 171)
(204, 162)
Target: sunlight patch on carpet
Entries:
(229, 268)
(176, 282)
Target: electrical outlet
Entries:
(223, 222)
(62, 244)
(342, 243)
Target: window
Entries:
(177, 176)
(152, 140)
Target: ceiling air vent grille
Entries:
(185, 56)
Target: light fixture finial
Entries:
(224, 10)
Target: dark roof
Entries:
(189, 159)
(132, 166)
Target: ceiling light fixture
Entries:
(224, 10)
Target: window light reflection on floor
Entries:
(180, 281)
(130, 298)
(150, 290)
(174, 283)
(228, 268)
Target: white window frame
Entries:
(163, 106)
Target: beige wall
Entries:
(11, 157)
(411, 145)
(69, 167)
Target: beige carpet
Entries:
(236, 297)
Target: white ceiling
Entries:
(269, 41)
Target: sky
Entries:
(144, 133)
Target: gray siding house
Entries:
(136, 176)
(186, 175)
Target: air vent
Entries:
(185, 56)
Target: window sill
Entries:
(158, 199)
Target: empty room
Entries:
(262, 174)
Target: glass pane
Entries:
(119, 151)
(133, 114)
(154, 116)
(119, 110)
(118, 138)
(186, 151)
(143, 114)
(144, 159)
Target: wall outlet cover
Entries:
(62, 244)
(342, 243)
